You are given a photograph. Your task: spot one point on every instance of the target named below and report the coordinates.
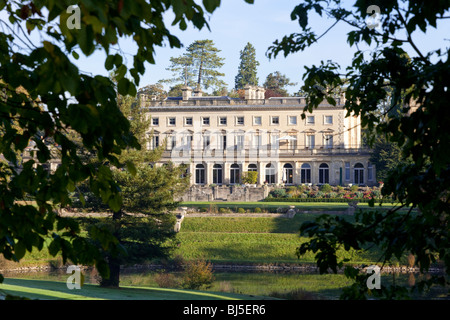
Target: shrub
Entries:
(250, 177)
(278, 193)
(340, 189)
(224, 210)
(354, 188)
(167, 280)
(326, 188)
(258, 210)
(197, 274)
(241, 210)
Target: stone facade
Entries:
(221, 138)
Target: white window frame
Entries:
(254, 121)
(208, 119)
(174, 120)
(272, 118)
(220, 121)
(289, 120)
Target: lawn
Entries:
(56, 290)
(273, 206)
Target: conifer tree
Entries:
(206, 62)
(247, 73)
(198, 67)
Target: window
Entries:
(370, 171)
(240, 141)
(288, 174)
(206, 141)
(292, 120)
(328, 141)
(223, 141)
(275, 120)
(359, 173)
(223, 121)
(252, 167)
(172, 142)
(187, 140)
(234, 173)
(310, 141)
(328, 120)
(155, 121)
(347, 171)
(172, 121)
(200, 174)
(188, 121)
(310, 120)
(324, 174)
(305, 173)
(256, 141)
(257, 121)
(240, 121)
(217, 174)
(155, 141)
(270, 173)
(205, 121)
(274, 140)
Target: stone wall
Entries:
(225, 193)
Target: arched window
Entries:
(252, 167)
(235, 174)
(288, 174)
(270, 173)
(217, 174)
(359, 173)
(305, 173)
(200, 174)
(324, 174)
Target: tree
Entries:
(277, 83)
(156, 90)
(420, 92)
(175, 91)
(182, 71)
(198, 66)
(205, 60)
(247, 73)
(46, 95)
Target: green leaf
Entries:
(75, 55)
(19, 250)
(210, 5)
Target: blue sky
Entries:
(236, 22)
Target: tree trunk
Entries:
(114, 261)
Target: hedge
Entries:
(270, 199)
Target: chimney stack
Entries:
(187, 92)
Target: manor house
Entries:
(221, 138)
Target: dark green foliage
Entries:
(277, 83)
(247, 71)
(415, 119)
(46, 100)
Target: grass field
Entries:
(272, 206)
(262, 240)
(55, 290)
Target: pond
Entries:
(286, 285)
